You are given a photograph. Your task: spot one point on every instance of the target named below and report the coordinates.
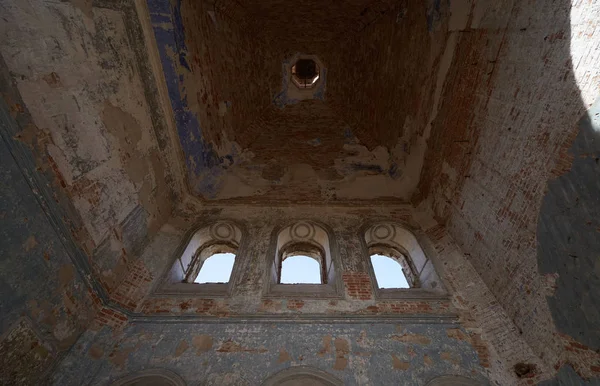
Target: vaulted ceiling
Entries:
(470, 111)
(242, 132)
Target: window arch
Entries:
(151, 377)
(311, 246)
(390, 242)
(302, 375)
(208, 263)
(299, 268)
(302, 262)
(216, 267)
(389, 271)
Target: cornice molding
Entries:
(298, 319)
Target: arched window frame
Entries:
(306, 374)
(308, 238)
(307, 248)
(205, 252)
(166, 377)
(396, 241)
(200, 243)
(400, 256)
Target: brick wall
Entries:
(358, 285)
(526, 84)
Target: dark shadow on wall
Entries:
(568, 377)
(568, 235)
(508, 112)
(44, 301)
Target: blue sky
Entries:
(388, 272)
(216, 269)
(301, 269)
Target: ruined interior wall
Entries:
(258, 224)
(246, 354)
(512, 97)
(44, 302)
(81, 73)
(568, 246)
(488, 327)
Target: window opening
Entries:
(300, 269)
(305, 73)
(388, 272)
(216, 269)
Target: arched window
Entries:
(208, 262)
(216, 268)
(303, 262)
(389, 273)
(398, 263)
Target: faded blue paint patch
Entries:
(369, 353)
(281, 99)
(210, 182)
(394, 171)
(320, 92)
(179, 34)
(434, 14)
(366, 167)
(200, 157)
(315, 142)
(32, 258)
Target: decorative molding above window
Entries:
(303, 238)
(400, 244)
(206, 242)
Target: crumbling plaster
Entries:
(495, 127)
(82, 78)
(490, 330)
(511, 102)
(246, 354)
(241, 141)
(45, 303)
(82, 151)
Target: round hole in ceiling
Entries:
(305, 73)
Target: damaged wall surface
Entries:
(234, 354)
(45, 304)
(128, 124)
(498, 347)
(80, 186)
(495, 152)
(242, 138)
(79, 75)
